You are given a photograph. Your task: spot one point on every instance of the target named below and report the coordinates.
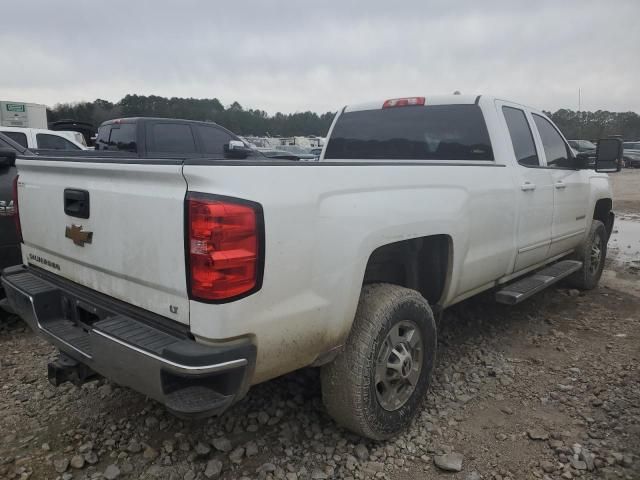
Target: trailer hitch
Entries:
(66, 369)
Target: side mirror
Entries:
(236, 149)
(609, 155)
(585, 161)
(7, 158)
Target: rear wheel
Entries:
(375, 386)
(592, 253)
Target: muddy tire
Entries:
(593, 253)
(376, 385)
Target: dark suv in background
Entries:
(149, 137)
(631, 154)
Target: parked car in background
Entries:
(42, 139)
(631, 154)
(191, 280)
(278, 154)
(582, 145)
(301, 153)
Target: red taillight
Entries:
(15, 208)
(403, 102)
(224, 247)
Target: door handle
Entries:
(528, 186)
(560, 185)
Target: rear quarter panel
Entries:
(322, 222)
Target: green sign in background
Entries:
(15, 107)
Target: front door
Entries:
(535, 190)
(570, 189)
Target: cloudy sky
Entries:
(299, 55)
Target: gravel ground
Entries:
(548, 389)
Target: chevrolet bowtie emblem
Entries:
(75, 233)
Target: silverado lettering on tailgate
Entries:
(44, 261)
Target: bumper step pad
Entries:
(196, 400)
(529, 286)
(136, 333)
(70, 333)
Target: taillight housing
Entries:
(225, 247)
(16, 211)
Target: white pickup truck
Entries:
(191, 279)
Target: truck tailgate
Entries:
(131, 246)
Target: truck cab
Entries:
(42, 139)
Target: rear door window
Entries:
(46, 141)
(436, 132)
(18, 137)
(174, 138)
(524, 147)
(213, 140)
(555, 149)
(123, 137)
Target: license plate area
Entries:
(72, 322)
(84, 315)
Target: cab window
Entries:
(524, 147)
(18, 137)
(53, 142)
(555, 149)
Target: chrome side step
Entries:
(522, 289)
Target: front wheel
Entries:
(375, 386)
(592, 253)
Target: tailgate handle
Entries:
(76, 203)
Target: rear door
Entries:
(116, 228)
(570, 188)
(167, 139)
(535, 191)
(213, 139)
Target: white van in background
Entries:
(42, 139)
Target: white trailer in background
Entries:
(20, 114)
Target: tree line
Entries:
(234, 117)
(574, 125)
(598, 124)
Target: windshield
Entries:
(438, 132)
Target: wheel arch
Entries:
(603, 211)
(423, 263)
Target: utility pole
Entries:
(579, 115)
(579, 99)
